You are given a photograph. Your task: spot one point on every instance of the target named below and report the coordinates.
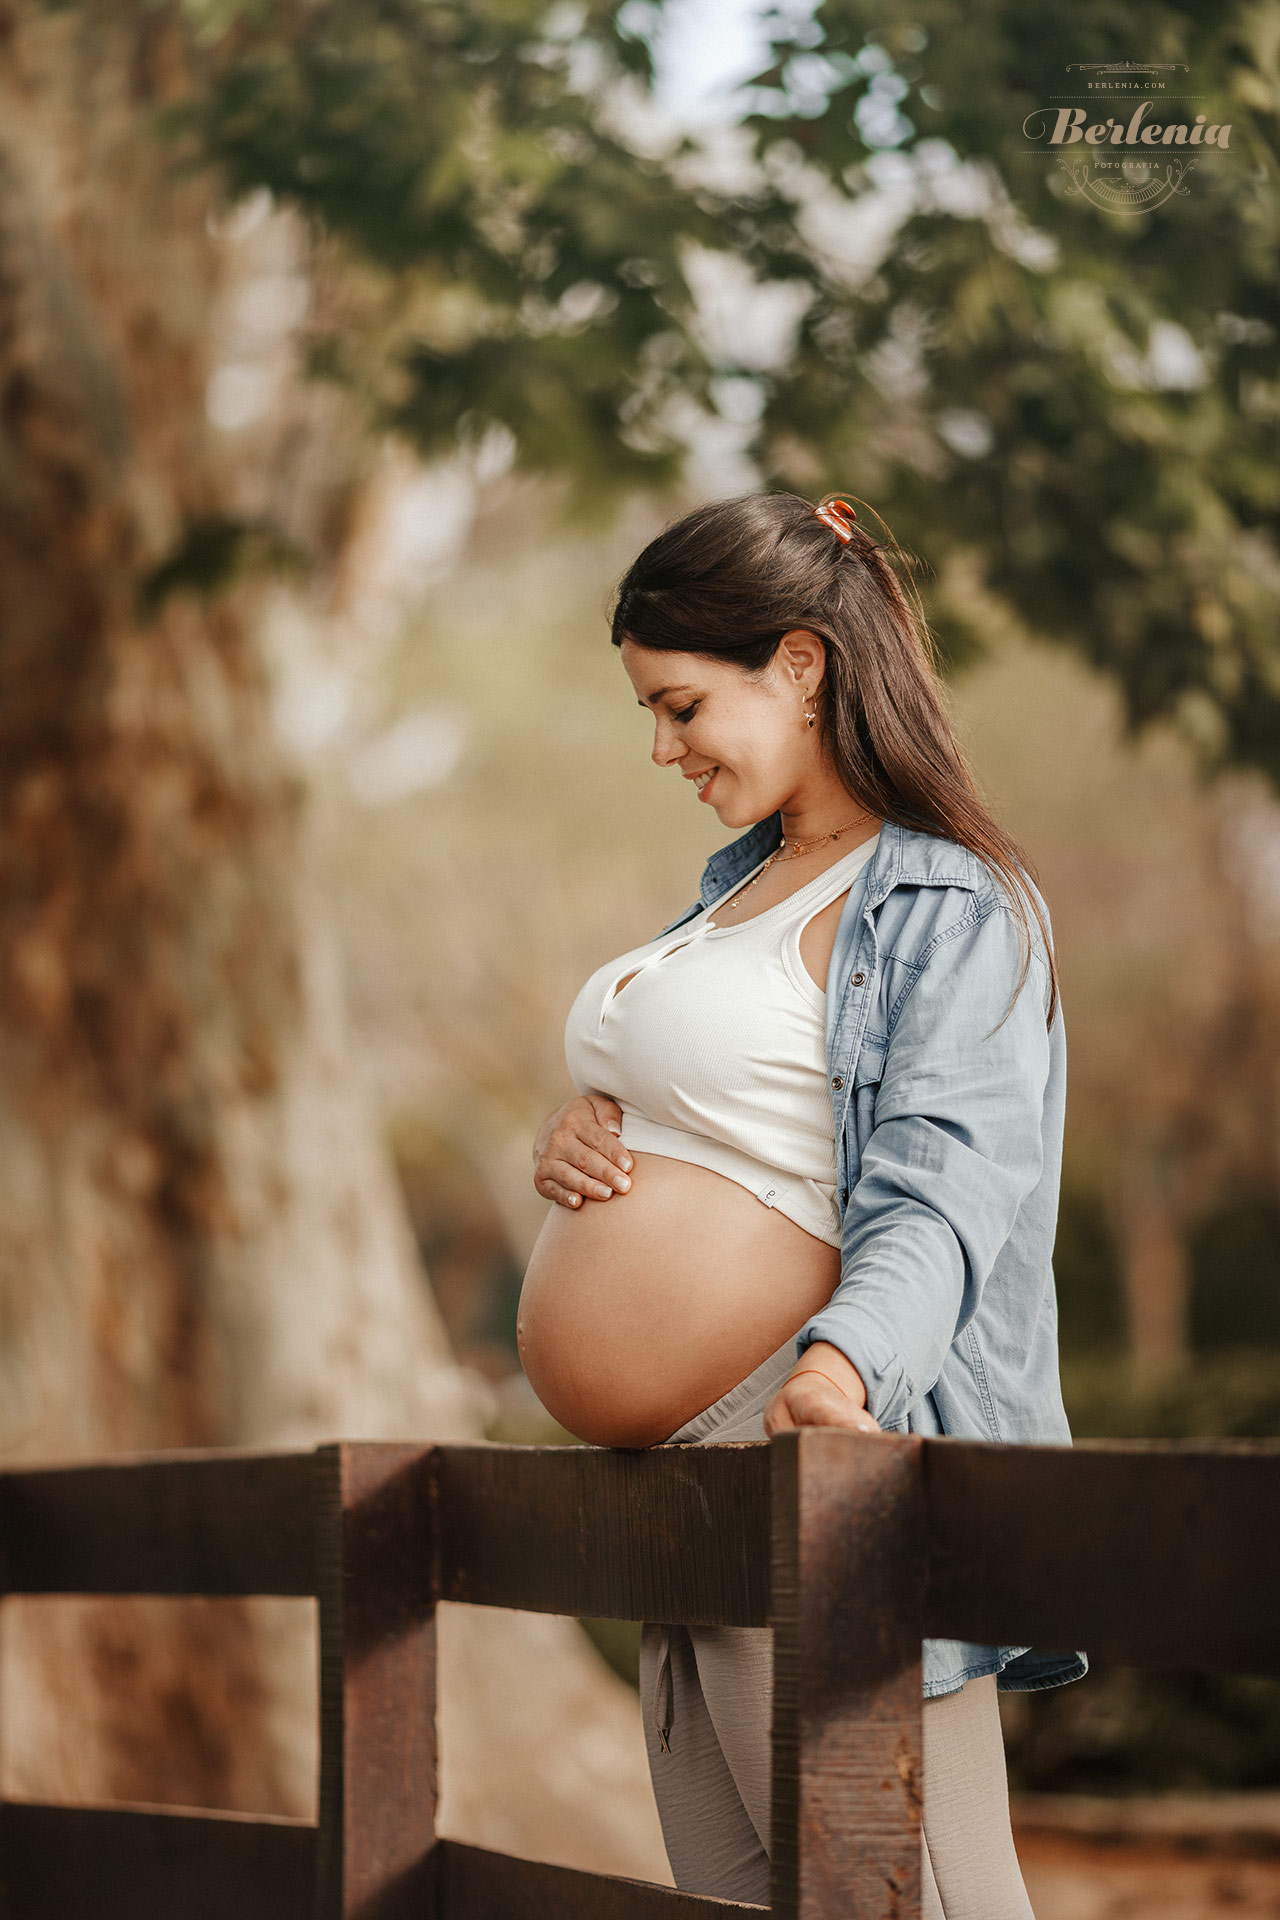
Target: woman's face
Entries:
(747, 732)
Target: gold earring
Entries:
(809, 717)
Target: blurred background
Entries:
(349, 352)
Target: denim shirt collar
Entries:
(902, 854)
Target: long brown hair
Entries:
(729, 579)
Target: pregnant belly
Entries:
(639, 1311)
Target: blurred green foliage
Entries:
(524, 263)
(1235, 1263)
(1085, 400)
(1129, 1730)
(213, 551)
(1225, 1395)
(1087, 1272)
(1234, 1312)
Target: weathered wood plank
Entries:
(1168, 1557)
(377, 1684)
(676, 1533)
(848, 1587)
(477, 1885)
(118, 1863)
(196, 1523)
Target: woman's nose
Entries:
(667, 748)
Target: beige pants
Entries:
(707, 1694)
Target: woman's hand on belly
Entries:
(579, 1154)
(823, 1389)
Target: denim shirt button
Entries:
(858, 979)
(837, 1082)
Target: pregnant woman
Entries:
(811, 1174)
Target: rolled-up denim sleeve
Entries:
(956, 1147)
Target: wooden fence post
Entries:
(376, 1858)
(848, 1602)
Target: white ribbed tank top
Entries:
(716, 1050)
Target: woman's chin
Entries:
(732, 813)
(738, 819)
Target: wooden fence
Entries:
(853, 1546)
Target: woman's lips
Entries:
(707, 785)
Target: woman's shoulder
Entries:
(907, 856)
(925, 889)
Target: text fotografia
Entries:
(1067, 125)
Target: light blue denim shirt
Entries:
(948, 1129)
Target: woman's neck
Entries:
(825, 814)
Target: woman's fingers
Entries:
(606, 1110)
(591, 1149)
(605, 1135)
(562, 1174)
(810, 1400)
(600, 1153)
(557, 1179)
(777, 1417)
(599, 1164)
(552, 1190)
(579, 1169)
(577, 1155)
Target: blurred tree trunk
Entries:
(1152, 1230)
(201, 1241)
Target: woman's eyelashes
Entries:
(687, 714)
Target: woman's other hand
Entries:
(823, 1389)
(579, 1154)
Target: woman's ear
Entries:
(802, 656)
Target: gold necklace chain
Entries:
(798, 847)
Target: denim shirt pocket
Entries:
(867, 1075)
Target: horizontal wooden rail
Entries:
(1152, 1557)
(676, 1534)
(478, 1885)
(217, 1523)
(851, 1547)
(120, 1863)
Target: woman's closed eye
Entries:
(687, 714)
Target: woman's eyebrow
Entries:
(662, 693)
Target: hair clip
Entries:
(839, 516)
